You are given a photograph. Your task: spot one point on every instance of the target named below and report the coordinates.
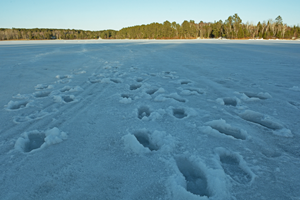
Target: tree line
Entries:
(231, 28)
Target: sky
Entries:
(117, 14)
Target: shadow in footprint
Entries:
(139, 80)
(143, 139)
(196, 181)
(185, 82)
(231, 166)
(35, 141)
(143, 111)
(68, 99)
(179, 113)
(135, 86)
(229, 101)
(151, 91)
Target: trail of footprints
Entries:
(197, 177)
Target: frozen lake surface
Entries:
(123, 119)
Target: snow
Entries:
(150, 119)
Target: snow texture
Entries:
(150, 119)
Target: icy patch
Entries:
(255, 96)
(17, 105)
(35, 140)
(222, 127)
(266, 121)
(235, 166)
(41, 94)
(144, 141)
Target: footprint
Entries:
(135, 86)
(78, 71)
(71, 89)
(16, 105)
(139, 79)
(115, 80)
(260, 95)
(179, 113)
(41, 94)
(196, 181)
(64, 98)
(68, 98)
(35, 141)
(43, 86)
(126, 98)
(143, 138)
(143, 111)
(234, 166)
(151, 91)
(229, 101)
(222, 127)
(185, 82)
(63, 81)
(261, 119)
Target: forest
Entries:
(231, 28)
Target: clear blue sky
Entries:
(116, 14)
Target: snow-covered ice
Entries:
(150, 119)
